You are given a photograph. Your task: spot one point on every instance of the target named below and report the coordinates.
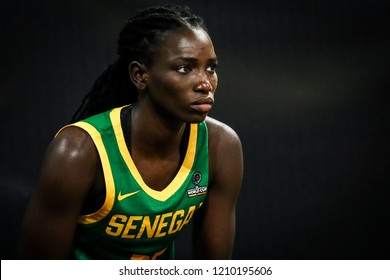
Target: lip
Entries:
(203, 105)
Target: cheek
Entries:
(214, 83)
(174, 87)
(168, 88)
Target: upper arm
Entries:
(66, 176)
(215, 221)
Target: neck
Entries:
(153, 135)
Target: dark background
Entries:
(302, 82)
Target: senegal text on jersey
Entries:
(136, 226)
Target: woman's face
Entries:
(181, 81)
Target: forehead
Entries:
(186, 42)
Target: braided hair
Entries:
(141, 33)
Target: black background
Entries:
(302, 82)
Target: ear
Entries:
(138, 74)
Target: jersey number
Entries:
(147, 257)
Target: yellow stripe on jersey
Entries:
(109, 180)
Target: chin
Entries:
(197, 118)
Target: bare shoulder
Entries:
(221, 133)
(225, 154)
(70, 161)
(73, 138)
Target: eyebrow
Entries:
(193, 59)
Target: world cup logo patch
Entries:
(196, 178)
(196, 190)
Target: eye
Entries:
(211, 68)
(184, 69)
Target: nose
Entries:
(203, 85)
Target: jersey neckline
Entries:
(180, 176)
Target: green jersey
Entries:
(136, 221)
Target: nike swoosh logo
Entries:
(123, 196)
